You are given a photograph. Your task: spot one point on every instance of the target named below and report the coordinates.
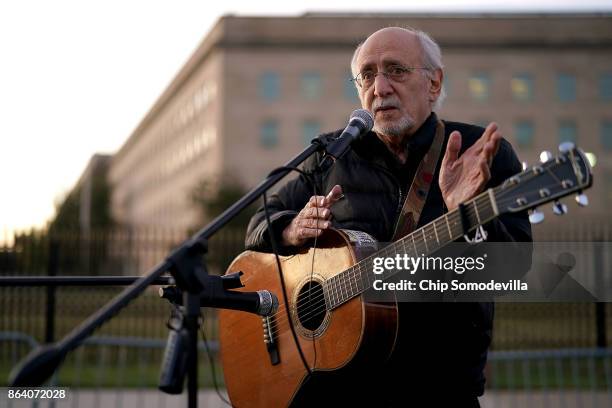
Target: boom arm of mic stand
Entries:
(40, 364)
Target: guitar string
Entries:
(342, 287)
(483, 198)
(317, 304)
(353, 277)
(279, 323)
(346, 286)
(354, 272)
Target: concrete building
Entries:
(259, 88)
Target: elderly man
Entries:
(441, 350)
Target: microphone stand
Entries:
(77, 280)
(186, 265)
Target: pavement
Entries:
(149, 398)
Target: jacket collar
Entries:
(373, 149)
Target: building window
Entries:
(567, 131)
(524, 133)
(566, 88)
(268, 136)
(310, 130)
(522, 87)
(479, 86)
(311, 85)
(606, 134)
(269, 86)
(350, 90)
(605, 87)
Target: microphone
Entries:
(360, 123)
(262, 302)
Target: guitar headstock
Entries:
(552, 179)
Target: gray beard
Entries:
(397, 129)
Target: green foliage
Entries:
(212, 197)
(101, 217)
(67, 211)
(63, 238)
(30, 250)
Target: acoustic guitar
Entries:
(339, 330)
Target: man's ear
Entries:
(435, 84)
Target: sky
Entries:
(77, 77)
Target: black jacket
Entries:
(441, 344)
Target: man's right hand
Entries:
(313, 219)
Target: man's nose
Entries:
(382, 85)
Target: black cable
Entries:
(213, 371)
(284, 288)
(273, 243)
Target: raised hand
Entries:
(462, 178)
(312, 220)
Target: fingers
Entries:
(296, 235)
(487, 145)
(304, 227)
(333, 196)
(452, 149)
(489, 131)
(313, 219)
(492, 147)
(304, 234)
(316, 212)
(485, 171)
(313, 223)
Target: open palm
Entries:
(463, 177)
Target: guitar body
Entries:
(337, 344)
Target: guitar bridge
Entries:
(268, 335)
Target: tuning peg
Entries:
(559, 208)
(545, 156)
(524, 165)
(582, 199)
(536, 216)
(591, 158)
(566, 147)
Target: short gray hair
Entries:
(432, 59)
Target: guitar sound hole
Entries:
(311, 305)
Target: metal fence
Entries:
(542, 355)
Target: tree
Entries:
(211, 197)
(82, 242)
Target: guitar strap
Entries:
(419, 189)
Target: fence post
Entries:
(52, 266)
(600, 307)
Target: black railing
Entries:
(47, 313)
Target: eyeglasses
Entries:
(396, 73)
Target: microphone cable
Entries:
(308, 176)
(274, 246)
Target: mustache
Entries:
(385, 103)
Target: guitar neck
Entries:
(422, 242)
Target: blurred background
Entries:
(87, 198)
